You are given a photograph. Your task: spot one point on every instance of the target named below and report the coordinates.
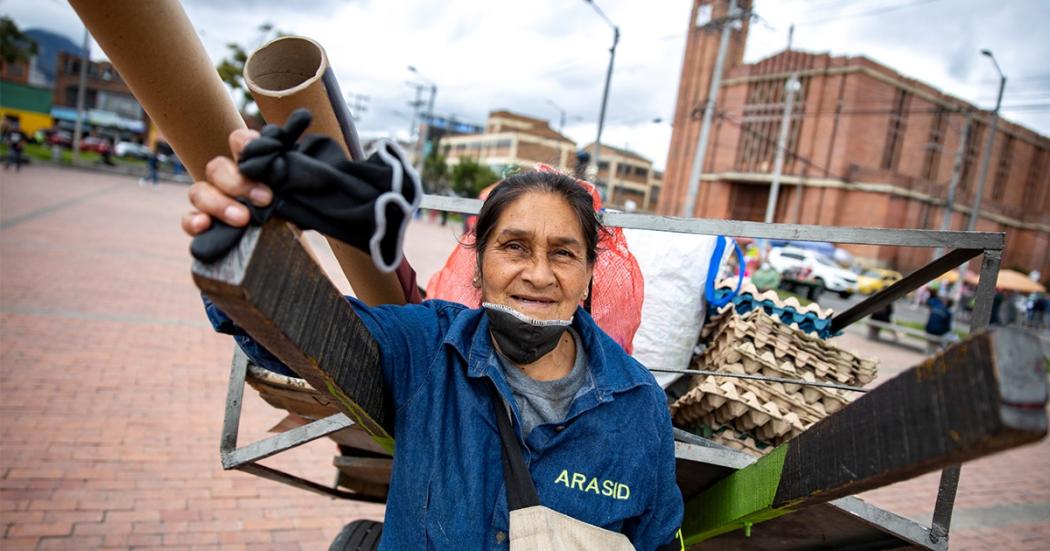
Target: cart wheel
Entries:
(359, 535)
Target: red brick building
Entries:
(512, 139)
(626, 177)
(867, 147)
(111, 108)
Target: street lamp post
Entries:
(78, 126)
(561, 119)
(975, 212)
(987, 155)
(605, 93)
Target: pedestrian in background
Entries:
(1040, 306)
(16, 143)
(885, 315)
(939, 322)
(153, 166)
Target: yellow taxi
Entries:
(874, 280)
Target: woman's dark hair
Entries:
(513, 187)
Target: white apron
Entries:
(534, 527)
(538, 528)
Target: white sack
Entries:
(674, 266)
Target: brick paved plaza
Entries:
(113, 387)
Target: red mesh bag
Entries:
(617, 290)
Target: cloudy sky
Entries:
(526, 55)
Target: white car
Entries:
(132, 149)
(821, 268)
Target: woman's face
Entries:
(536, 260)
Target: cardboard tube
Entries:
(157, 52)
(292, 72)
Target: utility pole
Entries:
(689, 207)
(957, 164)
(78, 126)
(430, 122)
(431, 88)
(790, 89)
(417, 114)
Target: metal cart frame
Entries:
(961, 246)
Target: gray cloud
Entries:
(488, 55)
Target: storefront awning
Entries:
(98, 117)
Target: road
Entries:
(113, 387)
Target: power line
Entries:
(760, 135)
(886, 9)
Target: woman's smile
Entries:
(536, 262)
(532, 303)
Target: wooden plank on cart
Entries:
(983, 395)
(273, 289)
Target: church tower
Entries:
(701, 51)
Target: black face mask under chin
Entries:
(521, 339)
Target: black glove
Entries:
(366, 204)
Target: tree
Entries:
(469, 178)
(15, 46)
(231, 68)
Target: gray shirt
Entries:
(542, 402)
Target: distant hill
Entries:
(49, 45)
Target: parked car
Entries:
(820, 268)
(876, 279)
(60, 138)
(132, 149)
(92, 143)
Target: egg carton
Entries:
(741, 442)
(716, 404)
(748, 292)
(824, 359)
(809, 406)
(765, 363)
(809, 318)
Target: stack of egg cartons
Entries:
(742, 337)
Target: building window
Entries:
(641, 172)
(895, 131)
(934, 145)
(760, 125)
(970, 157)
(1002, 172)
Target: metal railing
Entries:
(961, 246)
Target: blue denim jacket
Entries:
(610, 463)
